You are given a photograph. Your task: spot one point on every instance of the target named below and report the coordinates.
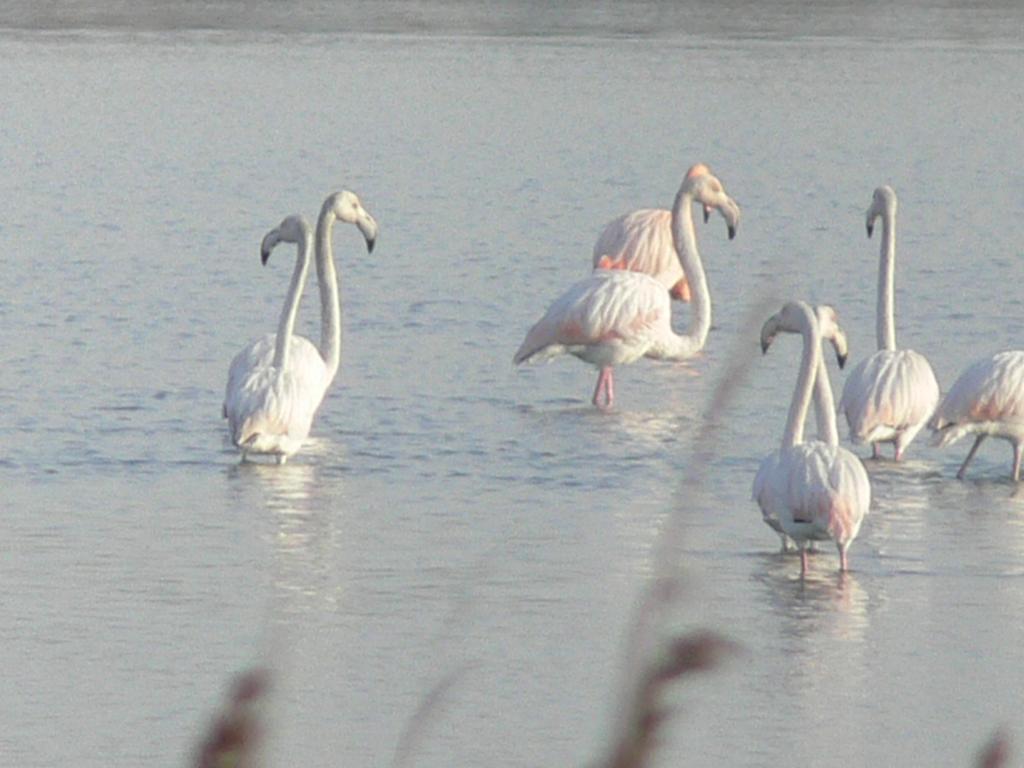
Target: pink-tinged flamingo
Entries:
(889, 396)
(821, 491)
(824, 410)
(641, 241)
(987, 400)
(616, 317)
(276, 384)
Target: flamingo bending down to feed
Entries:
(988, 401)
(890, 395)
(824, 411)
(616, 317)
(821, 491)
(276, 384)
(641, 241)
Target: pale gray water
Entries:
(452, 511)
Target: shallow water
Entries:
(453, 512)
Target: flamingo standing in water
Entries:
(616, 317)
(821, 491)
(276, 384)
(641, 241)
(889, 396)
(987, 400)
(824, 411)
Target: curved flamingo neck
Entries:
(285, 326)
(885, 322)
(330, 301)
(809, 362)
(685, 240)
(825, 406)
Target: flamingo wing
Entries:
(609, 317)
(270, 410)
(641, 241)
(829, 493)
(888, 393)
(989, 390)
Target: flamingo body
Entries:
(277, 382)
(270, 409)
(769, 496)
(615, 317)
(987, 400)
(815, 491)
(641, 241)
(608, 318)
(888, 397)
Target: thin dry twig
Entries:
(429, 707)
(234, 736)
(644, 712)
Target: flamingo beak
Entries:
(732, 232)
(871, 228)
(707, 213)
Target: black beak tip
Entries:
(264, 257)
(842, 361)
(707, 215)
(764, 347)
(732, 232)
(870, 230)
(369, 245)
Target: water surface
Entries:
(452, 512)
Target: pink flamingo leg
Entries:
(1017, 450)
(843, 563)
(875, 453)
(803, 561)
(604, 387)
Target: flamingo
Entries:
(824, 410)
(641, 241)
(821, 491)
(889, 396)
(615, 317)
(277, 382)
(986, 400)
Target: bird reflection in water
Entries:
(303, 528)
(825, 604)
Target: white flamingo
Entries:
(276, 384)
(615, 317)
(821, 490)
(824, 410)
(889, 396)
(641, 241)
(987, 400)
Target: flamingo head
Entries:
(293, 229)
(794, 317)
(828, 322)
(700, 169)
(882, 202)
(345, 206)
(709, 192)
